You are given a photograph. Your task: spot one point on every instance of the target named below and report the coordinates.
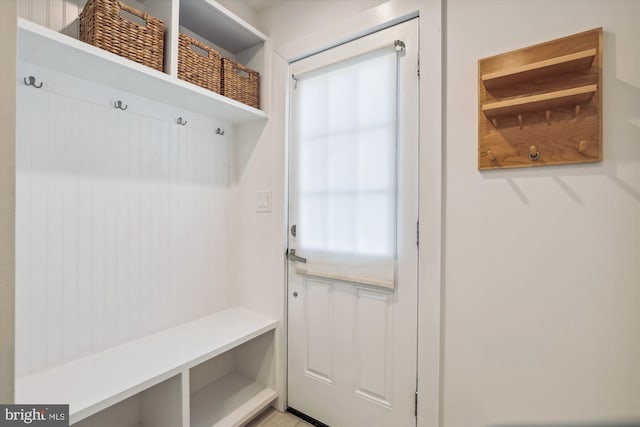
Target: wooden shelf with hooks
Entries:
(572, 97)
(548, 97)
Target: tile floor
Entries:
(273, 418)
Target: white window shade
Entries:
(344, 167)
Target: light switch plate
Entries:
(263, 201)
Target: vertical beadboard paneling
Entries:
(84, 186)
(122, 220)
(69, 244)
(174, 236)
(98, 229)
(164, 236)
(23, 332)
(181, 217)
(56, 14)
(146, 288)
(110, 182)
(38, 12)
(123, 278)
(55, 233)
(38, 248)
(136, 236)
(24, 9)
(190, 242)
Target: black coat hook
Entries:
(219, 131)
(32, 82)
(181, 121)
(120, 105)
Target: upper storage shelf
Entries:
(547, 68)
(217, 24)
(47, 48)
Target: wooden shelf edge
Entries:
(578, 95)
(527, 164)
(561, 64)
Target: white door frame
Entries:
(430, 15)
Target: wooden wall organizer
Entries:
(541, 105)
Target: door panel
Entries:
(318, 333)
(373, 345)
(352, 344)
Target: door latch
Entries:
(291, 256)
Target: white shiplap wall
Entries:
(121, 218)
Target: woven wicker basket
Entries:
(245, 89)
(201, 68)
(102, 25)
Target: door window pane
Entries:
(344, 121)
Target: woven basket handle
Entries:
(202, 46)
(140, 14)
(250, 73)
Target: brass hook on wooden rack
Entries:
(534, 154)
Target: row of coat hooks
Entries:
(32, 81)
(182, 122)
(547, 117)
(534, 153)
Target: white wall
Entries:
(7, 196)
(540, 267)
(542, 271)
(242, 9)
(286, 20)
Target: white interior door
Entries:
(353, 207)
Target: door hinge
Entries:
(417, 233)
(415, 413)
(418, 65)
